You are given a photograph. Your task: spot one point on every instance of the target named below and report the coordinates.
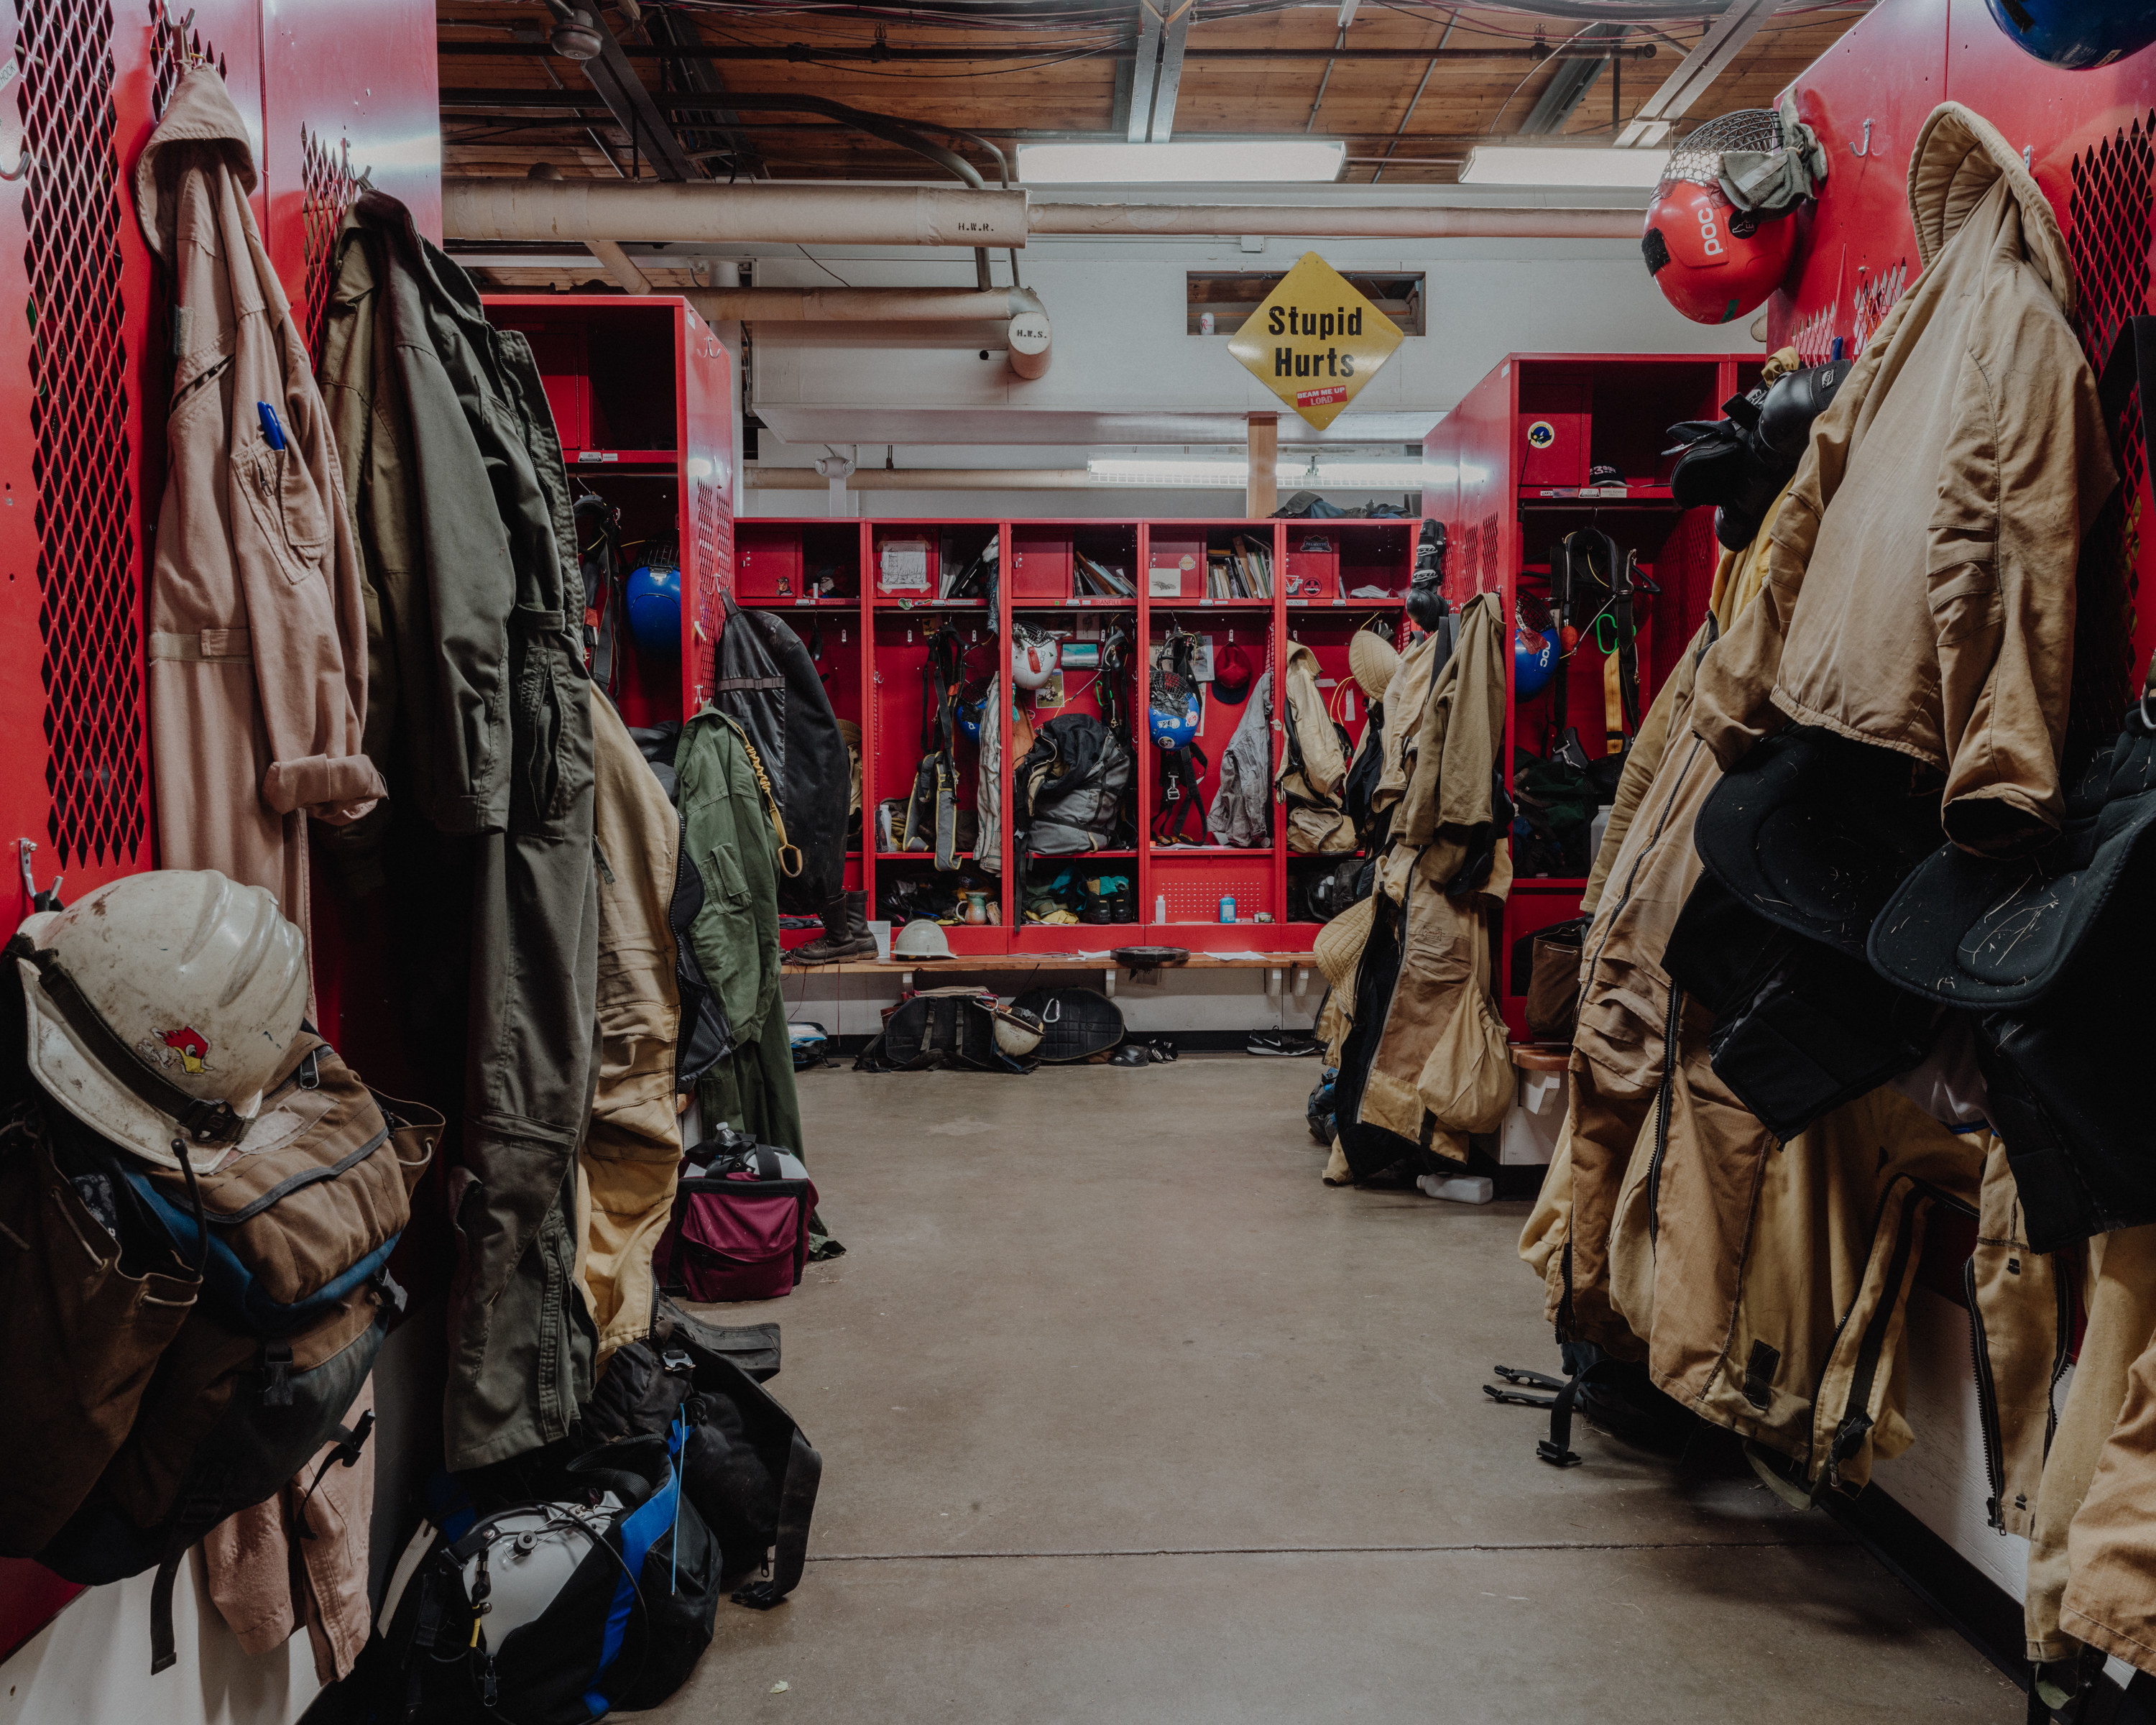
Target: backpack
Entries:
(282, 1254)
(1068, 791)
(553, 1611)
(939, 1027)
(740, 1226)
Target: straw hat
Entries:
(1374, 660)
(1339, 944)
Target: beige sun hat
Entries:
(1338, 948)
(1374, 660)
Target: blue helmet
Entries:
(2076, 34)
(654, 608)
(1175, 712)
(1534, 658)
(968, 715)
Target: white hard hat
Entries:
(161, 1006)
(1034, 658)
(922, 939)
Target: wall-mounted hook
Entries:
(47, 900)
(1867, 150)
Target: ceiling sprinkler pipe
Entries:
(1029, 334)
(704, 213)
(1346, 222)
(707, 213)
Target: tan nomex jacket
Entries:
(1645, 871)
(258, 630)
(1920, 583)
(1442, 737)
(631, 1155)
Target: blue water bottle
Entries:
(1227, 908)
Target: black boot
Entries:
(846, 933)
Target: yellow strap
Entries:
(770, 800)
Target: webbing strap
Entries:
(201, 1121)
(797, 1504)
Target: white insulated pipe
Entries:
(704, 213)
(1346, 222)
(1028, 334)
(707, 213)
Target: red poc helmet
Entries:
(1712, 260)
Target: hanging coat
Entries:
(1242, 806)
(729, 831)
(768, 682)
(1447, 863)
(631, 1154)
(258, 631)
(1920, 583)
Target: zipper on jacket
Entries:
(1987, 1405)
(1669, 1027)
(2061, 1355)
(1855, 1422)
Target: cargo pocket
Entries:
(1965, 601)
(288, 508)
(551, 752)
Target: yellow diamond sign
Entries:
(1315, 341)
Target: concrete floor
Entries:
(1126, 1417)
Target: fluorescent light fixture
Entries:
(1225, 475)
(1526, 165)
(1197, 161)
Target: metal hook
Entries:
(1867, 150)
(47, 900)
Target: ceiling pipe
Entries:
(579, 211)
(1029, 333)
(709, 214)
(1345, 222)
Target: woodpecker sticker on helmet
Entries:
(1315, 340)
(184, 1048)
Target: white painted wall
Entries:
(1123, 358)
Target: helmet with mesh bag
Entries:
(1713, 261)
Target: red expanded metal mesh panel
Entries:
(2109, 234)
(329, 191)
(89, 612)
(701, 651)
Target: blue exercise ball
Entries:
(2076, 34)
(654, 596)
(1534, 658)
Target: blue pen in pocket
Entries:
(271, 428)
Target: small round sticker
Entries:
(1541, 434)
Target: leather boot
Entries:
(846, 933)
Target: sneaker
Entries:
(1281, 1042)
